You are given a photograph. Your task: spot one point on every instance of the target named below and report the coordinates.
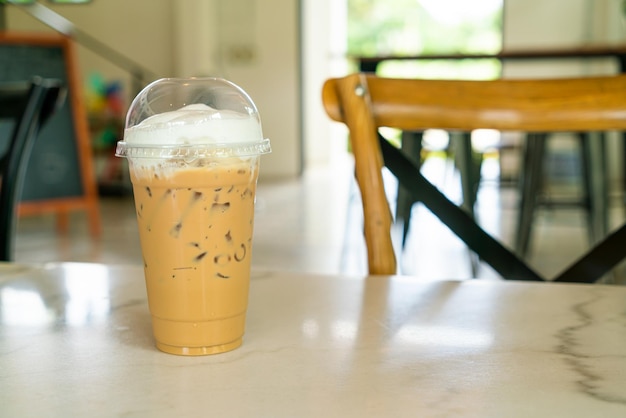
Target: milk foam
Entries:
(195, 124)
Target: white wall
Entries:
(255, 44)
(281, 52)
(324, 47)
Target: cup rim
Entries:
(187, 151)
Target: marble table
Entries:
(75, 340)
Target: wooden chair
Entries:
(366, 102)
(24, 107)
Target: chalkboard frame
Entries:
(88, 198)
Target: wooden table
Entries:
(75, 340)
(617, 52)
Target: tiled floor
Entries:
(313, 224)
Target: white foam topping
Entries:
(195, 124)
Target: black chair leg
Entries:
(530, 184)
(595, 182)
(412, 148)
(469, 166)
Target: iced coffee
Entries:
(194, 171)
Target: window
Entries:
(414, 27)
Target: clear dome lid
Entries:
(192, 117)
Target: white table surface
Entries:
(75, 340)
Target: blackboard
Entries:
(59, 174)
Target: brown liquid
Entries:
(196, 228)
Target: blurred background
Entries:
(281, 51)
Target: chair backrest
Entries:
(25, 106)
(366, 102)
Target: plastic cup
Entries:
(194, 173)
